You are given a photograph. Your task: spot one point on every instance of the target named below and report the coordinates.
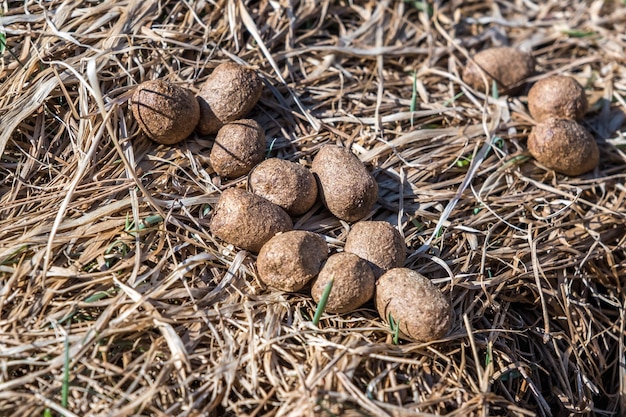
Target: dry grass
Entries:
(106, 264)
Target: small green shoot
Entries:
(488, 355)
(96, 297)
(47, 413)
(3, 49)
(13, 257)
(119, 247)
(68, 317)
(271, 148)
(463, 162)
(321, 306)
(426, 8)
(143, 224)
(494, 90)
(395, 329)
(3, 42)
(128, 223)
(418, 225)
(115, 252)
(150, 221)
(579, 33)
(91, 266)
(422, 6)
(516, 160)
(476, 210)
(414, 96)
(453, 99)
(100, 295)
(65, 388)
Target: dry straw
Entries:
(109, 279)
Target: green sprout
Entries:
(453, 99)
(114, 252)
(578, 33)
(3, 48)
(414, 96)
(65, 388)
(3, 42)
(271, 148)
(515, 160)
(494, 90)
(422, 6)
(13, 257)
(99, 295)
(150, 221)
(128, 223)
(463, 162)
(323, 301)
(395, 328)
(143, 224)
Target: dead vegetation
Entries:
(115, 300)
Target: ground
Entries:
(115, 299)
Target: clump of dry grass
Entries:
(110, 280)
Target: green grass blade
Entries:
(128, 224)
(321, 306)
(3, 47)
(65, 389)
(414, 96)
(578, 33)
(463, 162)
(395, 328)
(271, 148)
(3, 42)
(494, 90)
(143, 224)
(97, 296)
(424, 7)
(150, 221)
(453, 99)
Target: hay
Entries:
(109, 278)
